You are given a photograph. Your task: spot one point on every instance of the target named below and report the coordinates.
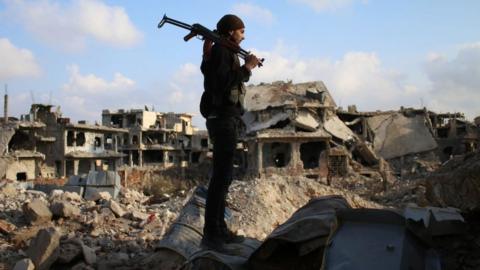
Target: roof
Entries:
(280, 94)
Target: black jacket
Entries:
(223, 83)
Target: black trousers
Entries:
(223, 132)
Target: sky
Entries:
(89, 55)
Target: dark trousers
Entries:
(223, 132)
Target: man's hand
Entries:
(251, 61)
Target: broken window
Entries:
(135, 139)
(195, 157)
(116, 120)
(83, 166)
(21, 176)
(98, 142)
(131, 120)
(58, 167)
(153, 156)
(125, 139)
(276, 154)
(204, 143)
(69, 167)
(448, 150)
(70, 138)
(80, 139)
(310, 154)
(20, 141)
(442, 132)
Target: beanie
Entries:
(228, 23)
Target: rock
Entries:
(71, 196)
(56, 194)
(82, 266)
(37, 212)
(116, 208)
(69, 252)
(89, 255)
(24, 264)
(44, 248)
(137, 215)
(98, 195)
(64, 209)
(6, 227)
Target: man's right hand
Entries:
(251, 61)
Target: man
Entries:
(224, 92)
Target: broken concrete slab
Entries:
(305, 120)
(93, 193)
(24, 264)
(64, 209)
(338, 129)
(137, 215)
(116, 208)
(37, 212)
(397, 135)
(44, 248)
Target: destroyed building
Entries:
(45, 144)
(158, 139)
(287, 131)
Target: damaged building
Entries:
(158, 139)
(45, 144)
(293, 128)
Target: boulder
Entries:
(37, 212)
(24, 264)
(44, 248)
(64, 209)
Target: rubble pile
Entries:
(261, 205)
(62, 230)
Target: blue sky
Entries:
(89, 55)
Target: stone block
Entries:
(64, 209)
(24, 264)
(116, 208)
(37, 212)
(44, 248)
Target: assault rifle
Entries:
(206, 34)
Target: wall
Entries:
(89, 144)
(24, 165)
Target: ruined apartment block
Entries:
(45, 144)
(286, 132)
(158, 139)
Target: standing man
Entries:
(224, 79)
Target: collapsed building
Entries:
(158, 139)
(298, 129)
(45, 144)
(294, 129)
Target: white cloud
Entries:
(91, 84)
(185, 88)
(254, 12)
(69, 26)
(455, 83)
(16, 62)
(356, 78)
(323, 5)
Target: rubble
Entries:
(44, 248)
(64, 209)
(24, 264)
(37, 212)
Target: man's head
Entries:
(231, 26)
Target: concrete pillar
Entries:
(260, 157)
(165, 158)
(130, 158)
(140, 158)
(75, 166)
(296, 161)
(92, 165)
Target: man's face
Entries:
(238, 35)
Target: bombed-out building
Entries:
(45, 144)
(293, 128)
(158, 139)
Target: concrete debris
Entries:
(44, 248)
(64, 209)
(69, 252)
(37, 212)
(24, 264)
(116, 208)
(6, 227)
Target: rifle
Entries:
(206, 34)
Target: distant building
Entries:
(158, 139)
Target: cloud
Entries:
(70, 25)
(324, 5)
(254, 12)
(16, 62)
(455, 83)
(91, 84)
(84, 96)
(356, 78)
